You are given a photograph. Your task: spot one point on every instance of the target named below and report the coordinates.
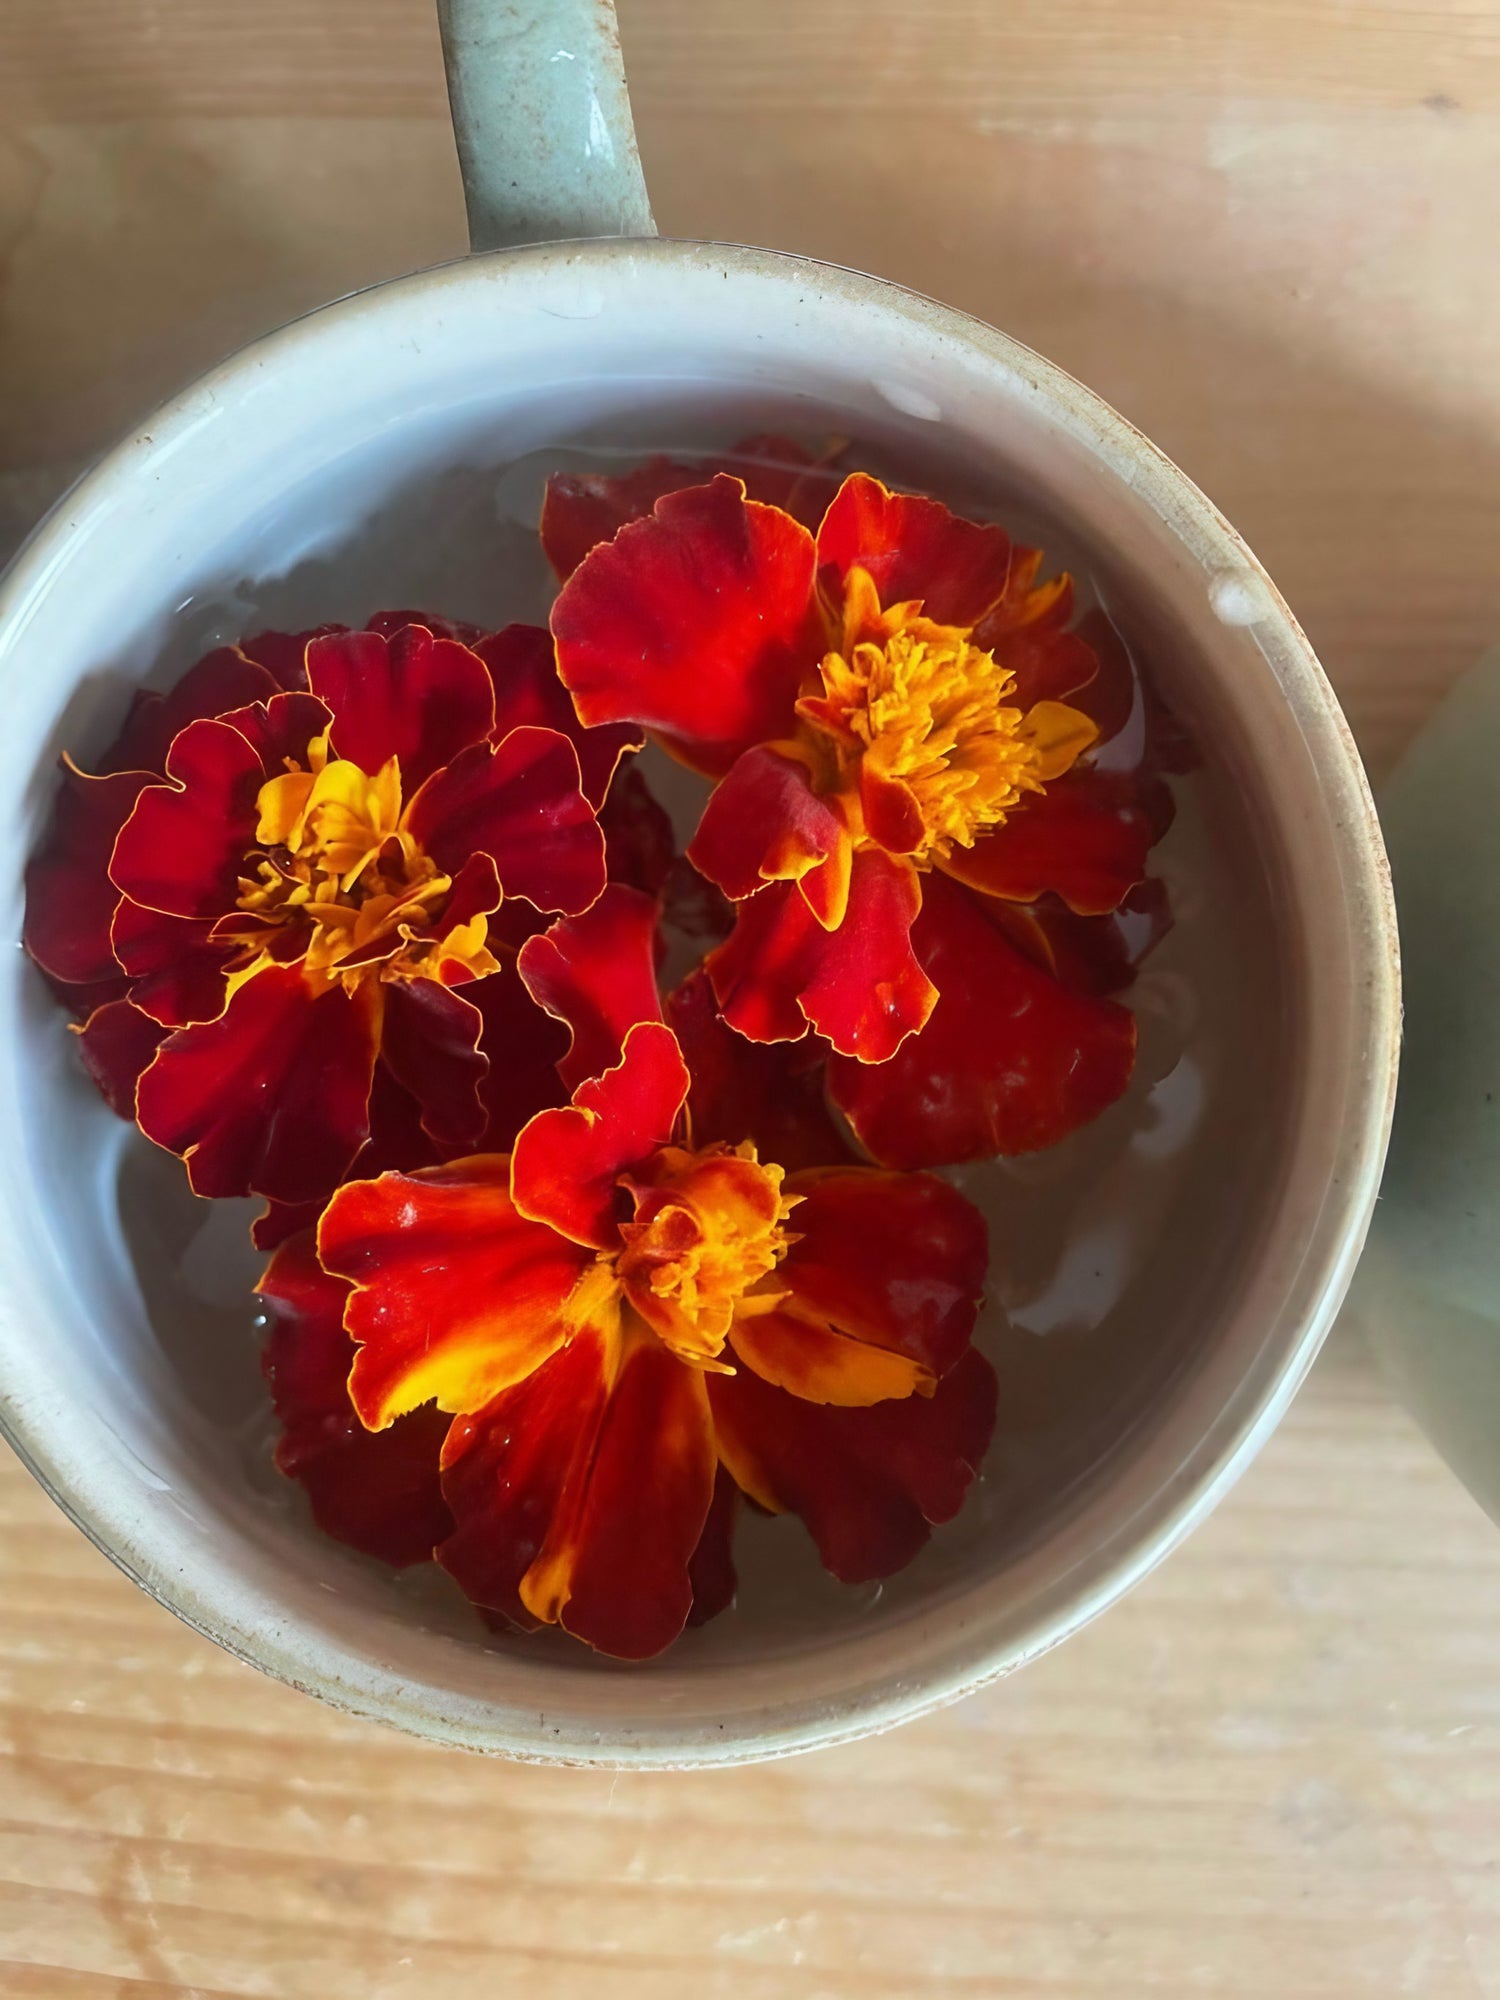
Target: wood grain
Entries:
(1264, 229)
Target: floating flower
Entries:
(640, 1311)
(895, 711)
(305, 885)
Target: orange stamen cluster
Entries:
(335, 863)
(706, 1236)
(919, 703)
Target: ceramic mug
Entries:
(302, 474)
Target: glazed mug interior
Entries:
(353, 461)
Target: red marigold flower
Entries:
(891, 705)
(306, 884)
(638, 1301)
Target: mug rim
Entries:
(1183, 1500)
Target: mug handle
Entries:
(546, 143)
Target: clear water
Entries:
(1108, 1250)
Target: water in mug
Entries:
(1107, 1251)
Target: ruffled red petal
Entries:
(1009, 1062)
(1086, 838)
(581, 1495)
(116, 1043)
(176, 969)
(378, 1491)
(769, 1093)
(913, 547)
(224, 679)
(596, 973)
(869, 1483)
(528, 694)
(457, 1297)
(697, 622)
(183, 845)
(763, 823)
(520, 802)
(273, 1097)
(70, 900)
(860, 986)
(896, 1261)
(567, 1162)
(430, 1041)
(412, 697)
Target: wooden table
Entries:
(1266, 230)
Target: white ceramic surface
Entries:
(302, 451)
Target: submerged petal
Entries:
(1009, 1062)
(1086, 837)
(869, 1483)
(711, 1572)
(894, 1260)
(770, 1093)
(379, 1491)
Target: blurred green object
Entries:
(1428, 1288)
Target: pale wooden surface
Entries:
(1266, 230)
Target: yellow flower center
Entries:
(918, 708)
(708, 1231)
(933, 713)
(335, 866)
